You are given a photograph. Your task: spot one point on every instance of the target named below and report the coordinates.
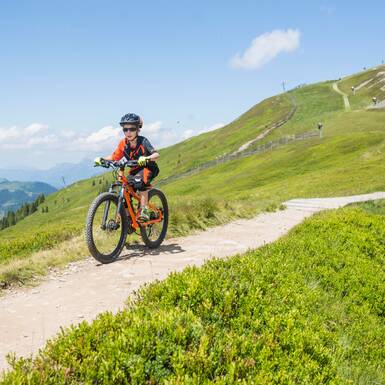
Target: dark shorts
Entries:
(141, 179)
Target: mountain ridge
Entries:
(14, 193)
(71, 172)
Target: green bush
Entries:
(28, 244)
(197, 214)
(373, 207)
(308, 309)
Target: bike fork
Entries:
(118, 207)
(105, 215)
(107, 209)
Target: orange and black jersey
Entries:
(143, 148)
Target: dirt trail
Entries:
(272, 127)
(30, 316)
(345, 96)
(378, 105)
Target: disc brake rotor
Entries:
(112, 225)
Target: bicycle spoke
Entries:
(153, 231)
(106, 235)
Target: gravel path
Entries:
(345, 96)
(379, 105)
(30, 316)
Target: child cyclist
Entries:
(136, 147)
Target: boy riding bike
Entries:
(135, 147)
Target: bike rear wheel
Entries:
(105, 231)
(154, 234)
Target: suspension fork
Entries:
(105, 215)
(107, 207)
(119, 206)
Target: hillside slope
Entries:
(67, 209)
(367, 84)
(348, 160)
(207, 146)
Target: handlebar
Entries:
(117, 164)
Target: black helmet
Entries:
(132, 119)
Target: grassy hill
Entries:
(349, 159)
(367, 84)
(307, 309)
(196, 150)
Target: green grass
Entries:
(68, 207)
(343, 164)
(194, 151)
(348, 160)
(307, 309)
(66, 217)
(373, 207)
(363, 96)
(316, 103)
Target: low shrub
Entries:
(33, 242)
(307, 309)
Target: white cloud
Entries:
(191, 132)
(68, 134)
(46, 139)
(107, 138)
(34, 128)
(25, 137)
(7, 134)
(152, 128)
(104, 134)
(28, 143)
(104, 140)
(266, 47)
(159, 135)
(40, 139)
(188, 133)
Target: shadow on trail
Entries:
(136, 250)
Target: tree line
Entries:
(12, 217)
(105, 185)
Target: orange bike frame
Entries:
(129, 192)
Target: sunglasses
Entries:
(131, 129)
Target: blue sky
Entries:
(69, 70)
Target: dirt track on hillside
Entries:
(30, 316)
(344, 96)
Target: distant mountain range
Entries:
(14, 194)
(59, 176)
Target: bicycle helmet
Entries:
(131, 118)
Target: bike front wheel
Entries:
(153, 234)
(106, 230)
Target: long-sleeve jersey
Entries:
(143, 148)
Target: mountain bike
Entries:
(115, 214)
